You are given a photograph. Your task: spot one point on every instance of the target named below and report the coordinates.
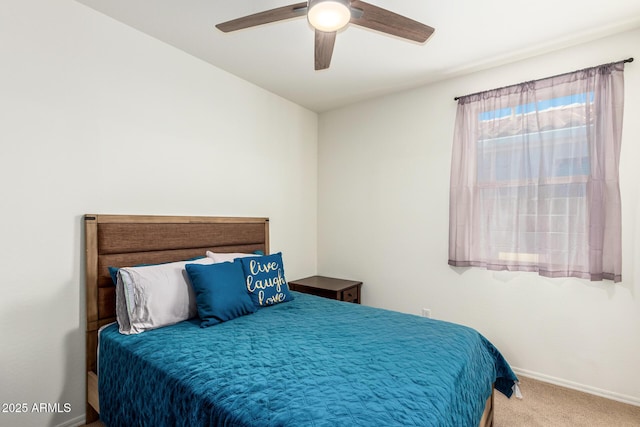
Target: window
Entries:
(534, 177)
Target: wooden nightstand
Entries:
(328, 287)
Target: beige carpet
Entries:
(545, 405)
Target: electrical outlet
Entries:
(426, 312)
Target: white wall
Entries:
(96, 117)
(383, 218)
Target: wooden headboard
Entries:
(127, 240)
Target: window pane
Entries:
(532, 165)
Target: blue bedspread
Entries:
(308, 362)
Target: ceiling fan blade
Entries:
(324, 49)
(273, 15)
(383, 20)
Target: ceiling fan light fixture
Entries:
(329, 15)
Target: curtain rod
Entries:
(558, 75)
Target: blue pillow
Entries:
(113, 272)
(220, 292)
(264, 278)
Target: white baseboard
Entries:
(74, 422)
(576, 386)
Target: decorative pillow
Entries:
(220, 292)
(229, 257)
(152, 296)
(264, 278)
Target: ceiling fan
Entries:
(329, 16)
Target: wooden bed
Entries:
(126, 240)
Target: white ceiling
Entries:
(470, 35)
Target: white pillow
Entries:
(227, 257)
(153, 296)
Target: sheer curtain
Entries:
(534, 176)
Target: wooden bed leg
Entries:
(92, 415)
(487, 415)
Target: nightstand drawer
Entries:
(350, 295)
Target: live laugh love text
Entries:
(254, 284)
